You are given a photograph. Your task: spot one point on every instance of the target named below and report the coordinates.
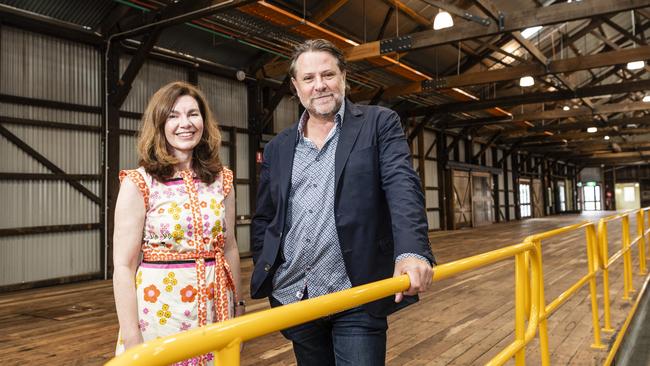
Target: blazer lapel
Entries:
(352, 122)
(285, 159)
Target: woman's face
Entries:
(184, 126)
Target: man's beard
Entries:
(329, 113)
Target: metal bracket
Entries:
(396, 44)
(434, 84)
(477, 19)
(502, 21)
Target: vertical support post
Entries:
(543, 322)
(229, 355)
(521, 286)
(111, 148)
(604, 262)
(592, 262)
(641, 232)
(627, 260)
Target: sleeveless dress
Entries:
(183, 281)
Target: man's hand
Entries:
(420, 274)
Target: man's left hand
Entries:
(420, 275)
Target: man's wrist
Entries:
(412, 255)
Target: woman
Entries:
(178, 211)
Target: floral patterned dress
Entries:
(183, 281)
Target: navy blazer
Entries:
(379, 202)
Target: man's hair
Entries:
(152, 144)
(316, 45)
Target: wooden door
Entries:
(462, 201)
(538, 200)
(482, 200)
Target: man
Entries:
(338, 205)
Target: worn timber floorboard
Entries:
(464, 320)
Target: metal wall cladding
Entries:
(431, 197)
(244, 238)
(243, 160)
(433, 217)
(431, 173)
(39, 66)
(39, 257)
(429, 139)
(75, 152)
(286, 113)
(128, 152)
(242, 199)
(50, 115)
(228, 99)
(42, 203)
(151, 77)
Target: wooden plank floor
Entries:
(464, 320)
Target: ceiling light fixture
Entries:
(646, 98)
(592, 129)
(635, 65)
(442, 20)
(526, 81)
(606, 137)
(566, 108)
(529, 32)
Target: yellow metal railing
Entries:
(225, 338)
(590, 277)
(626, 253)
(531, 310)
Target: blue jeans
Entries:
(351, 337)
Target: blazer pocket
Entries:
(362, 161)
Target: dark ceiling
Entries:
(464, 79)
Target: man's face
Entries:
(319, 83)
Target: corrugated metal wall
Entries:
(228, 99)
(38, 66)
(285, 114)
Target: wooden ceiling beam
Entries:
(557, 13)
(538, 97)
(512, 73)
(326, 9)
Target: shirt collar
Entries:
(338, 119)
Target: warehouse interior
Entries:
(521, 110)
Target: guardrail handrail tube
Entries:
(227, 336)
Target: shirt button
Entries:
(311, 211)
(307, 240)
(315, 185)
(267, 268)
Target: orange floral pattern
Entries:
(188, 293)
(151, 293)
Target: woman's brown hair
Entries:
(152, 144)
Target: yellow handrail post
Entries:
(627, 261)
(543, 323)
(641, 231)
(229, 355)
(527, 288)
(521, 288)
(604, 262)
(592, 260)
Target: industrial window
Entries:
(524, 200)
(592, 197)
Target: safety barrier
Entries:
(626, 253)
(590, 277)
(531, 310)
(226, 337)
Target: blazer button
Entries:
(267, 268)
